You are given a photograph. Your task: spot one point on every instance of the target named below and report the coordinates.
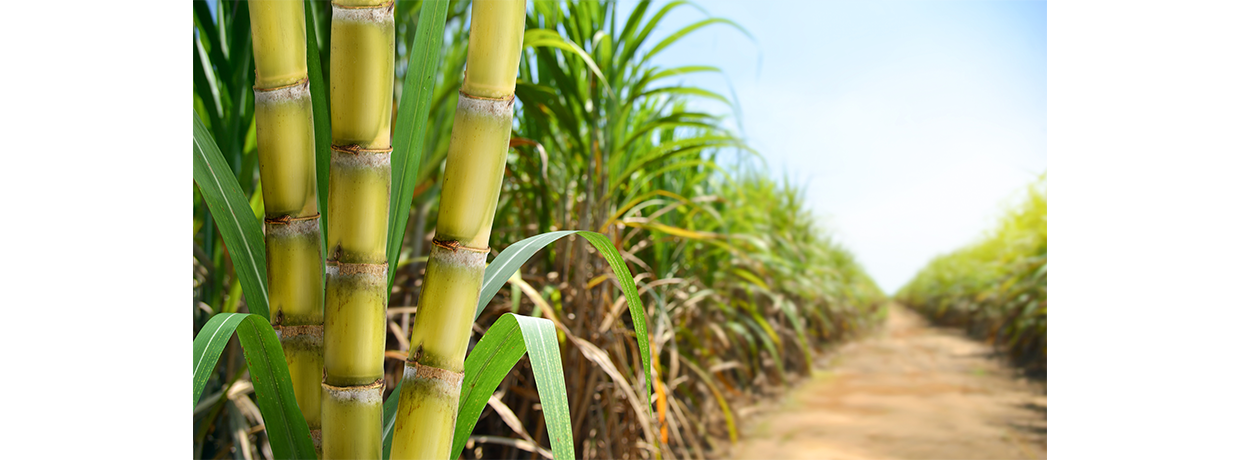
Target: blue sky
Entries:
(909, 123)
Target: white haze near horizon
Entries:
(909, 124)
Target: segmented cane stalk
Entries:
(472, 178)
(362, 63)
(285, 134)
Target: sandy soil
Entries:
(909, 391)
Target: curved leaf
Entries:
(273, 387)
(508, 261)
(535, 38)
(494, 356)
(686, 31)
(241, 231)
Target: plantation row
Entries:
(995, 288)
(739, 285)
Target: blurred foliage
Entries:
(740, 284)
(995, 288)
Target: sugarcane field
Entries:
(604, 229)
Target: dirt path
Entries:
(910, 391)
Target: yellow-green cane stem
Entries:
(431, 388)
(362, 72)
(440, 334)
(353, 421)
(475, 170)
(496, 30)
(295, 289)
(473, 177)
(303, 350)
(426, 416)
(278, 31)
(361, 181)
(355, 325)
(284, 125)
(363, 61)
(295, 271)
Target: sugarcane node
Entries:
(512, 98)
(352, 149)
(345, 269)
(287, 219)
(302, 82)
(415, 356)
(427, 372)
(290, 332)
(454, 245)
(357, 150)
(388, 5)
(279, 317)
(282, 220)
(378, 383)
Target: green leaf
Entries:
(322, 119)
(508, 261)
(241, 231)
(535, 38)
(389, 418)
(273, 387)
(496, 353)
(208, 345)
(673, 38)
(415, 103)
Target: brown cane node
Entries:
(286, 219)
(387, 5)
(454, 245)
(510, 99)
(304, 81)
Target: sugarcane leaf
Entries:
(411, 121)
(241, 231)
(273, 387)
(208, 345)
(508, 261)
(676, 36)
(389, 418)
(322, 119)
(510, 337)
(723, 402)
(536, 38)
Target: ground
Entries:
(908, 391)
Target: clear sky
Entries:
(909, 123)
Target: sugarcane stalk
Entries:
(285, 134)
(362, 64)
(474, 172)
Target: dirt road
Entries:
(910, 391)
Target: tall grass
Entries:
(995, 288)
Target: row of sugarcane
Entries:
(740, 283)
(995, 289)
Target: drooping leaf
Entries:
(241, 231)
(510, 337)
(535, 38)
(508, 261)
(273, 387)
